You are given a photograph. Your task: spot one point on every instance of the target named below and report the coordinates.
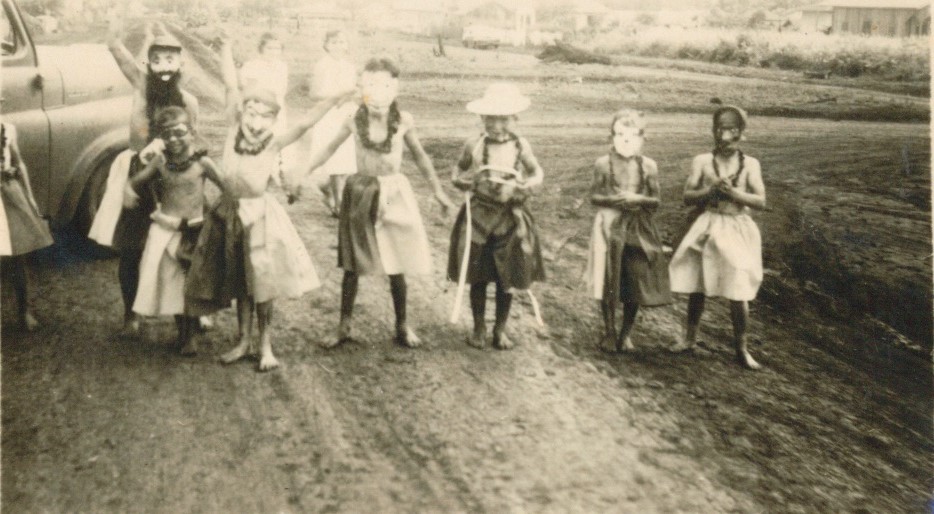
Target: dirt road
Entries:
(96, 424)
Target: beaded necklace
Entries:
(181, 167)
(244, 147)
(362, 120)
(734, 180)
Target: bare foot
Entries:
(502, 342)
(682, 346)
(130, 329)
(343, 335)
(238, 352)
(626, 345)
(746, 360)
(608, 343)
(477, 338)
(407, 338)
(28, 322)
(267, 361)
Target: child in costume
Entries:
(21, 227)
(249, 250)
(499, 171)
(333, 73)
(156, 86)
(626, 260)
(174, 182)
(380, 229)
(721, 255)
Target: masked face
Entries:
(272, 50)
(165, 64)
(379, 90)
(499, 127)
(627, 141)
(256, 121)
(177, 138)
(337, 45)
(728, 132)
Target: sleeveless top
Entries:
(375, 163)
(505, 154)
(248, 176)
(722, 204)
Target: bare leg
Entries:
(186, 339)
(611, 296)
(695, 311)
(404, 336)
(21, 286)
(630, 310)
(608, 341)
(503, 304)
(348, 297)
(477, 338)
(128, 275)
(739, 314)
(267, 360)
(245, 323)
(337, 191)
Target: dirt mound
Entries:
(563, 52)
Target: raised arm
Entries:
(423, 161)
(229, 75)
(131, 191)
(125, 61)
(460, 172)
(313, 117)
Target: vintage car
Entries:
(70, 105)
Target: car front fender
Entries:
(101, 150)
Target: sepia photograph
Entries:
(480, 256)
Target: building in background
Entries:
(894, 18)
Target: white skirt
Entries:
(161, 289)
(597, 257)
(6, 245)
(344, 160)
(105, 221)
(721, 255)
(281, 266)
(400, 231)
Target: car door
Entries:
(22, 99)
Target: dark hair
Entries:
(171, 115)
(265, 39)
(741, 114)
(382, 64)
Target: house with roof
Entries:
(894, 18)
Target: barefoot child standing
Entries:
(21, 227)
(380, 231)
(499, 171)
(174, 181)
(721, 255)
(626, 260)
(249, 250)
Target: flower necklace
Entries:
(181, 167)
(510, 137)
(362, 120)
(244, 147)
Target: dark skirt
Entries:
(357, 250)
(28, 232)
(219, 263)
(504, 245)
(133, 224)
(636, 264)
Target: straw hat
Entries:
(500, 99)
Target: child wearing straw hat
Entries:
(626, 261)
(497, 170)
(721, 255)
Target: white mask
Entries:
(628, 141)
(379, 89)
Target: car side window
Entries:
(7, 35)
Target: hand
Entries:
(293, 192)
(156, 147)
(625, 200)
(158, 159)
(447, 206)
